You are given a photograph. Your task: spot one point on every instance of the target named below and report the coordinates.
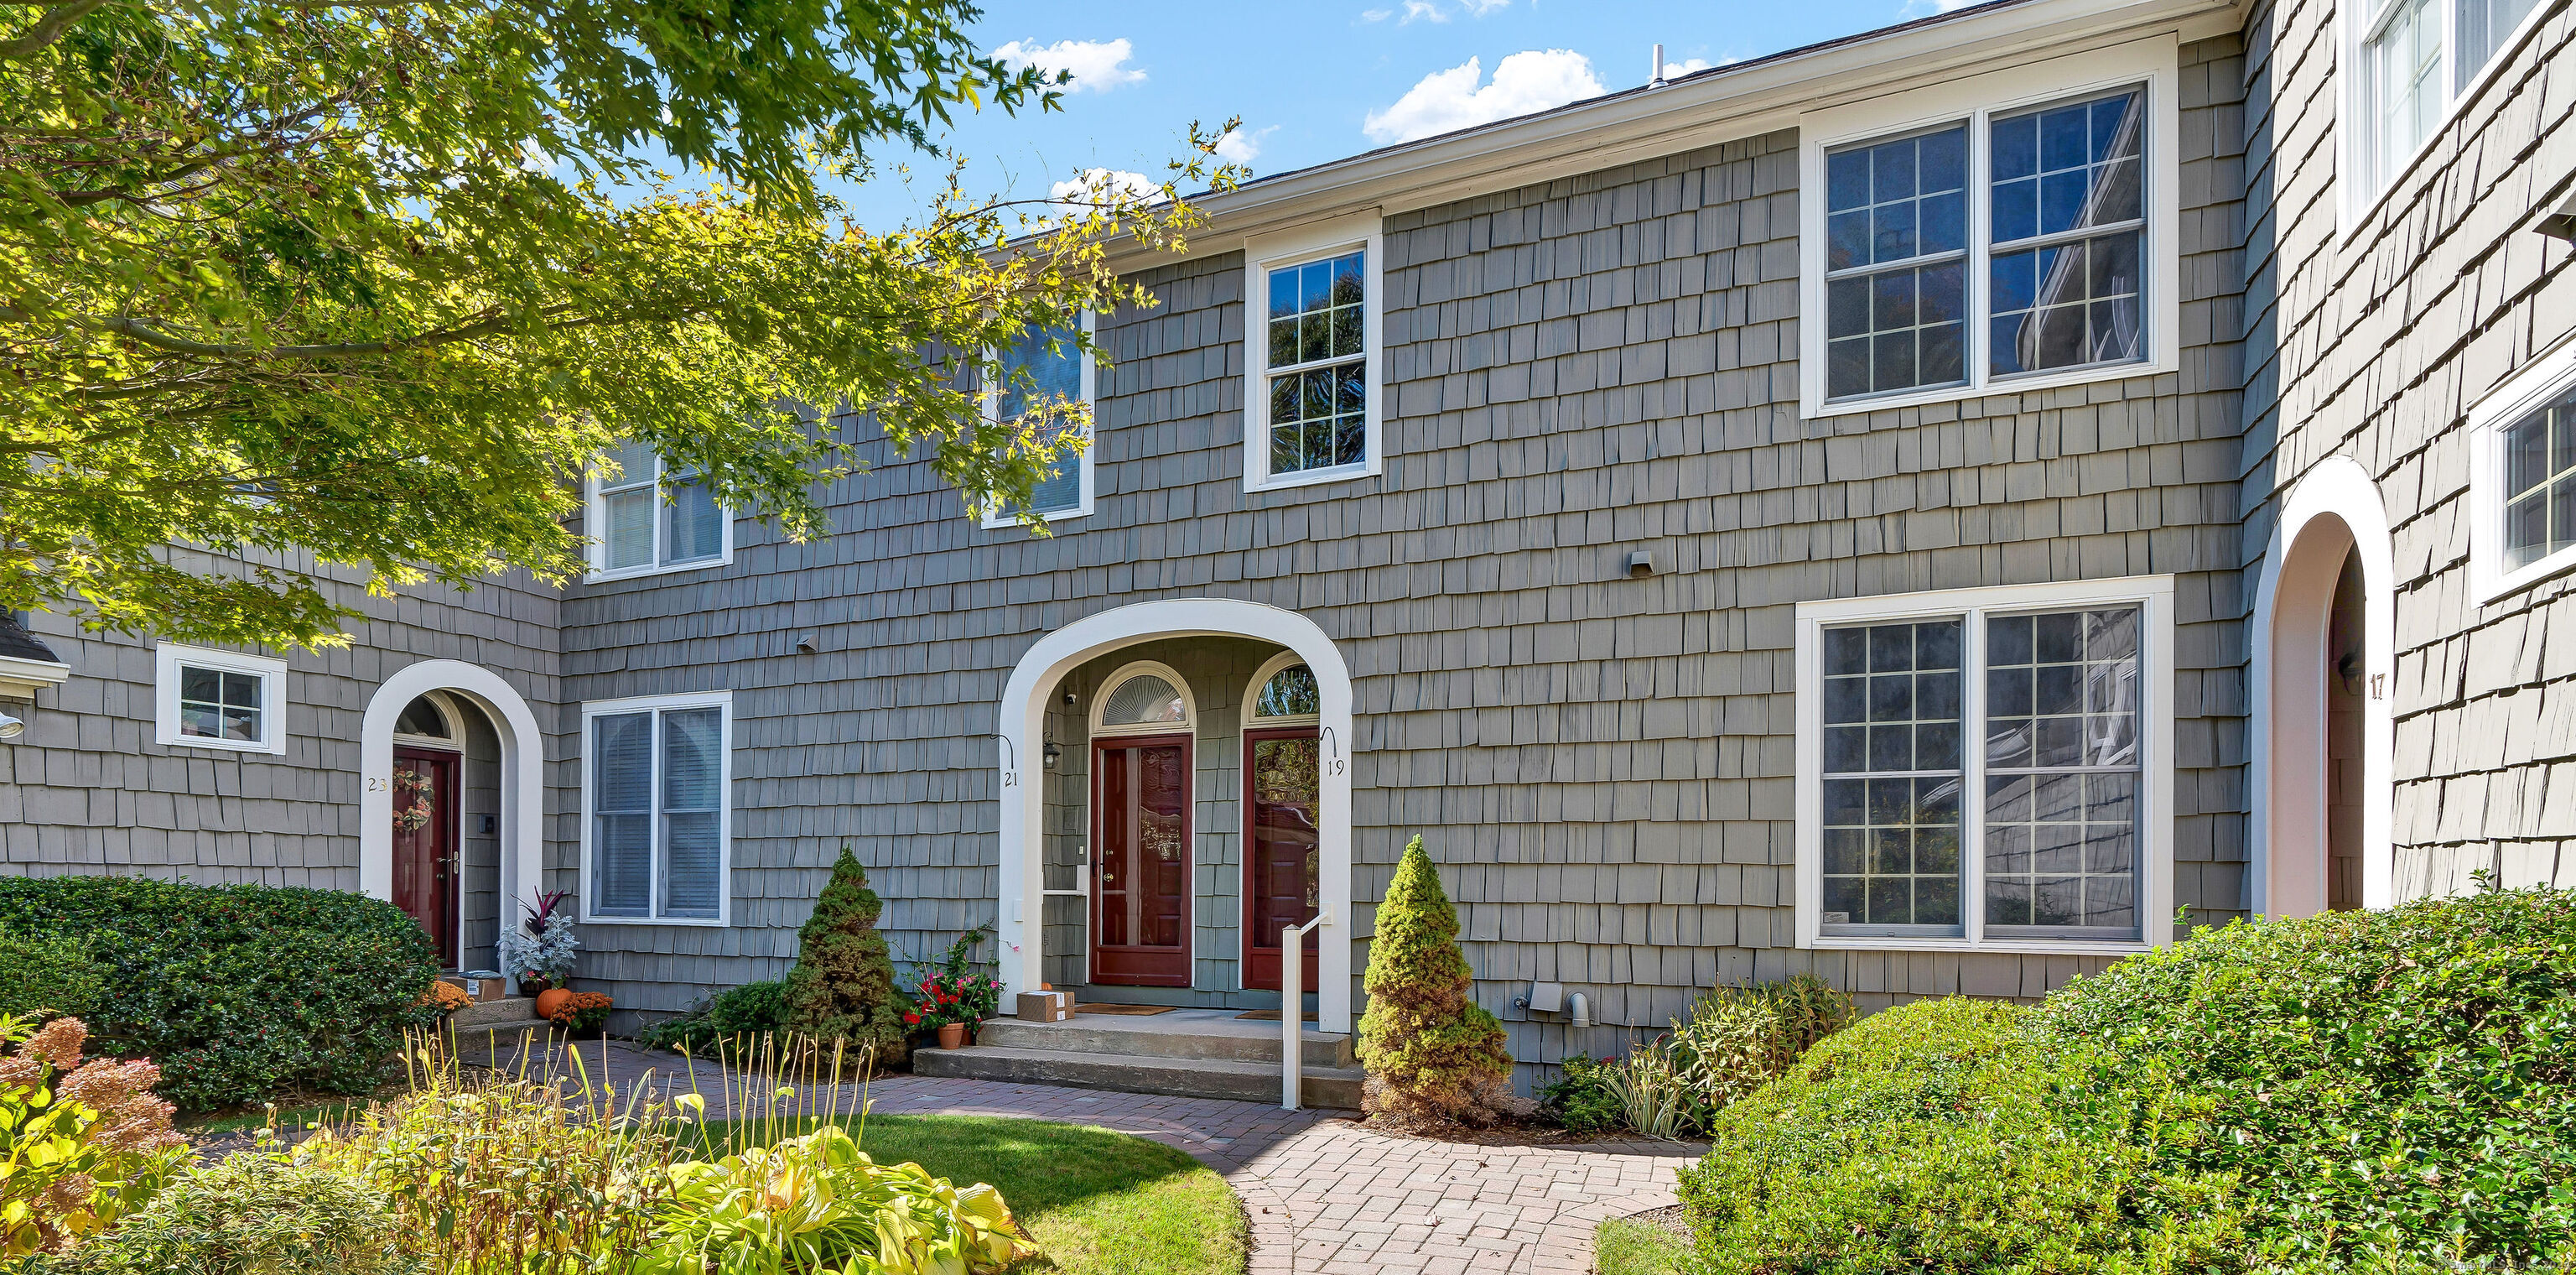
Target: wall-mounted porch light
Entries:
(1053, 754)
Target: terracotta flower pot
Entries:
(552, 1000)
(952, 1035)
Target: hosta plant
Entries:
(817, 1203)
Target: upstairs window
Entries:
(1991, 236)
(1048, 365)
(1312, 411)
(649, 518)
(2522, 477)
(654, 796)
(2412, 61)
(219, 699)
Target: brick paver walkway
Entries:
(1326, 1196)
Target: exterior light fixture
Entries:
(1053, 754)
(11, 727)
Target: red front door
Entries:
(1283, 805)
(1140, 838)
(425, 844)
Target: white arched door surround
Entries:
(1022, 727)
(522, 776)
(2334, 510)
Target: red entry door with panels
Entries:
(1140, 846)
(425, 844)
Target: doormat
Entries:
(1086, 1007)
(1267, 1016)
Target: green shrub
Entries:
(48, 974)
(1431, 1052)
(237, 991)
(752, 1009)
(254, 1214)
(1582, 1099)
(843, 985)
(2399, 1082)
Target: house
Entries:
(1941, 509)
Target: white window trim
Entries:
(1188, 725)
(1266, 253)
(2154, 596)
(724, 809)
(992, 400)
(166, 659)
(2540, 380)
(596, 521)
(1974, 100)
(1271, 668)
(2360, 202)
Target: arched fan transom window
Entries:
(1144, 699)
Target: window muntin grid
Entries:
(2403, 68)
(1892, 778)
(1896, 235)
(2068, 210)
(2062, 762)
(222, 704)
(2540, 483)
(1318, 365)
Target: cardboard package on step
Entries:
(1046, 1007)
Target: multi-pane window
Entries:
(2055, 278)
(2413, 59)
(2540, 483)
(656, 797)
(652, 517)
(1979, 775)
(1317, 365)
(1896, 226)
(1044, 368)
(222, 704)
(2069, 229)
(1892, 775)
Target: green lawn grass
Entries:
(1096, 1202)
(1622, 1247)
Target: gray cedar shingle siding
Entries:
(2374, 349)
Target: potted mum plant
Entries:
(543, 951)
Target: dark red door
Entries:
(1140, 838)
(425, 844)
(1283, 806)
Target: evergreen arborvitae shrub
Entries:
(843, 985)
(1432, 1054)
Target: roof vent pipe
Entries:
(1657, 80)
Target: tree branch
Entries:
(48, 29)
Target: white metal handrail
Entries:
(1292, 1008)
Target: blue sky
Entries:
(1315, 80)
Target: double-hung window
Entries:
(654, 809)
(1048, 366)
(2408, 62)
(1312, 407)
(219, 699)
(1980, 238)
(649, 518)
(1985, 769)
(2522, 441)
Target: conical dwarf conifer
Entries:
(843, 985)
(1432, 1054)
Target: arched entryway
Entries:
(416, 812)
(1024, 706)
(2323, 739)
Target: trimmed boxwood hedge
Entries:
(2384, 1092)
(238, 991)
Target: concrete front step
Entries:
(1139, 1073)
(508, 1009)
(1198, 1034)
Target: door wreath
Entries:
(411, 800)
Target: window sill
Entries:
(703, 923)
(1990, 947)
(1061, 515)
(1312, 477)
(224, 745)
(635, 573)
(2492, 590)
(1992, 389)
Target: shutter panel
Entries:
(621, 786)
(692, 808)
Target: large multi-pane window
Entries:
(1318, 364)
(1044, 368)
(649, 517)
(654, 786)
(2411, 60)
(2008, 243)
(1979, 772)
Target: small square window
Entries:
(219, 699)
(2522, 437)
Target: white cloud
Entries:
(1241, 146)
(1376, 15)
(1531, 80)
(1423, 9)
(1479, 8)
(1103, 181)
(1676, 70)
(1926, 8)
(1097, 65)
(1430, 11)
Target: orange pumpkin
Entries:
(551, 1001)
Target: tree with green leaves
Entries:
(842, 988)
(358, 292)
(1433, 1055)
